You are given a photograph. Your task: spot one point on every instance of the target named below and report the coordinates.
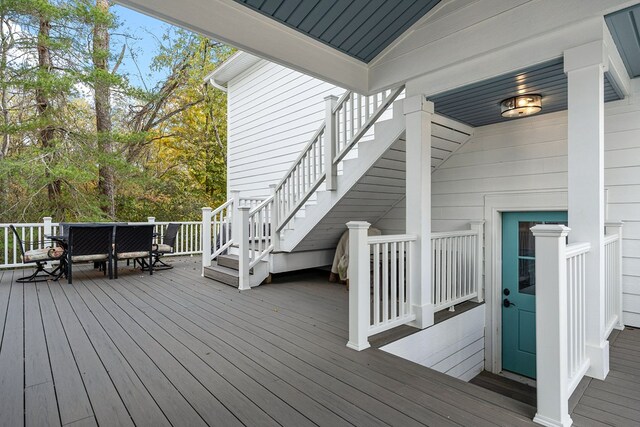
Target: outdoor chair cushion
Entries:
(42, 254)
(92, 257)
(139, 254)
(162, 247)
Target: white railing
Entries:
(613, 278)
(390, 279)
(32, 235)
(577, 361)
(354, 115)
(347, 121)
(260, 242)
(561, 321)
(379, 276)
(188, 240)
(302, 179)
(456, 266)
(250, 202)
(216, 231)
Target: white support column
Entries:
(275, 219)
(330, 143)
(418, 114)
(235, 215)
(585, 66)
(478, 227)
(243, 242)
(206, 238)
(359, 285)
(615, 227)
(551, 317)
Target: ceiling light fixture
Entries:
(521, 106)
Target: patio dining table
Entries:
(62, 240)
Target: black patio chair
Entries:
(133, 242)
(166, 247)
(39, 257)
(89, 243)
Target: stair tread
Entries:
(222, 269)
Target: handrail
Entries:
(575, 249)
(389, 238)
(260, 237)
(304, 151)
(387, 101)
(309, 170)
(221, 223)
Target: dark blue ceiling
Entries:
(623, 26)
(359, 28)
(479, 104)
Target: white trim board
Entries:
(494, 205)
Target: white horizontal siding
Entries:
(272, 113)
(455, 346)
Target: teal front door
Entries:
(519, 289)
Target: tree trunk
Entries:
(106, 175)
(43, 103)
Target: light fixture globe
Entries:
(521, 106)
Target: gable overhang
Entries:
(237, 25)
(457, 43)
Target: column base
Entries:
(358, 347)
(599, 360)
(545, 421)
(424, 316)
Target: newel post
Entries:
(478, 227)
(206, 238)
(46, 228)
(235, 215)
(243, 242)
(615, 227)
(551, 326)
(359, 294)
(330, 143)
(275, 218)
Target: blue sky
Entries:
(147, 32)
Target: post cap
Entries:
(244, 208)
(330, 98)
(207, 208)
(614, 224)
(358, 225)
(550, 230)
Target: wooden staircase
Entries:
(225, 269)
(337, 178)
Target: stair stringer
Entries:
(386, 133)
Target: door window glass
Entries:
(526, 258)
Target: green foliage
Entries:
(169, 153)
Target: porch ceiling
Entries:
(479, 104)
(623, 26)
(361, 29)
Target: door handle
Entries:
(506, 303)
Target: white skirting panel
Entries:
(455, 346)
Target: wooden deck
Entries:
(177, 349)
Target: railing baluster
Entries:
(393, 279)
(401, 284)
(376, 284)
(385, 282)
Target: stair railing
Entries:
(347, 120)
(216, 231)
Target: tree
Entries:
(102, 89)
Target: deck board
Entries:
(177, 349)
(12, 358)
